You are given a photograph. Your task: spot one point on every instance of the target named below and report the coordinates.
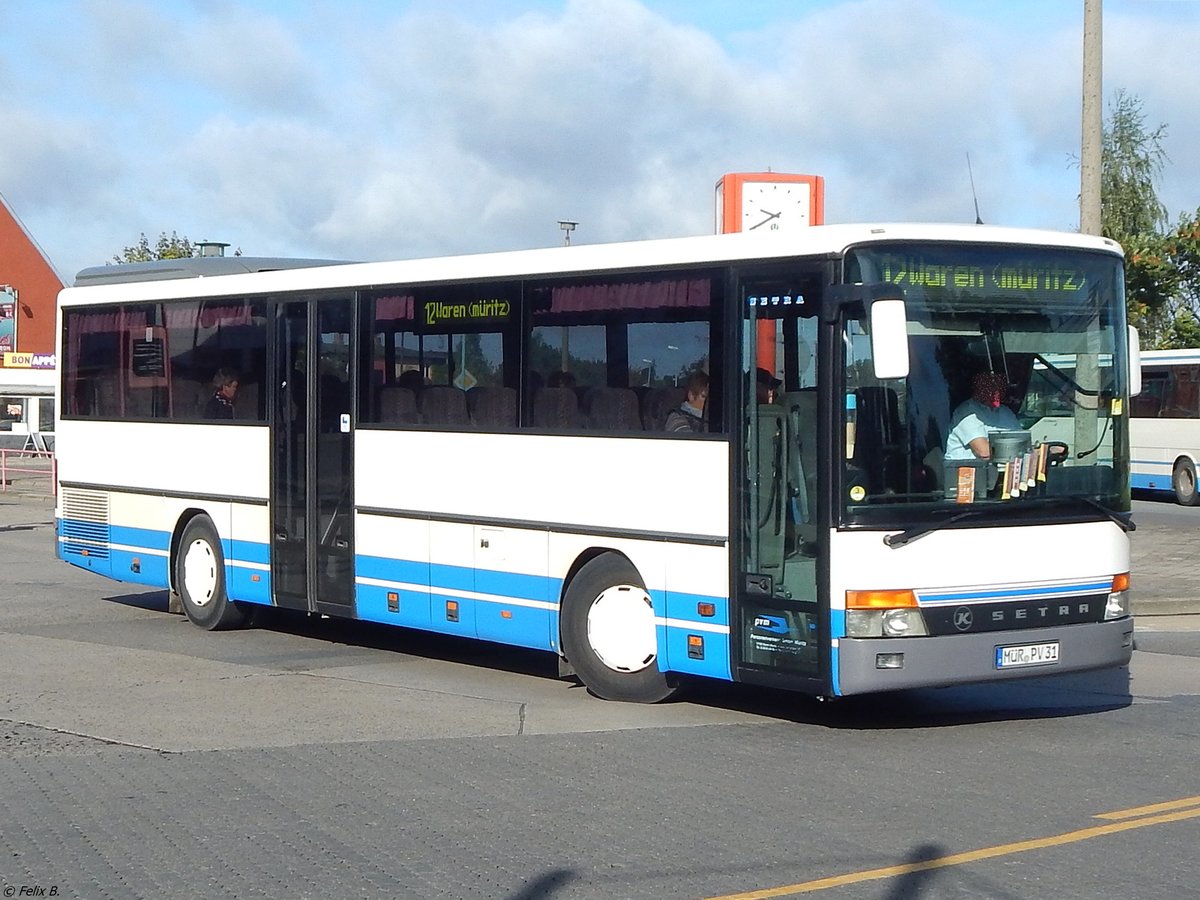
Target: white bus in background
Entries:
(475, 446)
(1164, 436)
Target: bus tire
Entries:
(609, 635)
(200, 578)
(1183, 480)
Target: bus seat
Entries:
(398, 405)
(492, 407)
(107, 397)
(442, 404)
(555, 408)
(246, 407)
(612, 409)
(878, 442)
(657, 404)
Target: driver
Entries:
(979, 416)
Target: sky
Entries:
(387, 130)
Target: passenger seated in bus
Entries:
(561, 379)
(225, 388)
(766, 386)
(689, 415)
(980, 415)
(411, 379)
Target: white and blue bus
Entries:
(1164, 440)
(475, 446)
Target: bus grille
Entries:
(85, 526)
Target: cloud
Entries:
(382, 130)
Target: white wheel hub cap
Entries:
(200, 572)
(620, 628)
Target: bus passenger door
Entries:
(780, 610)
(289, 458)
(312, 512)
(332, 536)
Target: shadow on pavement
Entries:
(1072, 694)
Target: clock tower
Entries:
(769, 202)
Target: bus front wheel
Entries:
(200, 578)
(1183, 479)
(609, 634)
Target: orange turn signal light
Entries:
(880, 599)
(1120, 582)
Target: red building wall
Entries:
(23, 265)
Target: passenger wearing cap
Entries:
(766, 385)
(979, 416)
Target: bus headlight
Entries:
(883, 614)
(903, 623)
(1118, 601)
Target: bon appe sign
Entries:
(29, 361)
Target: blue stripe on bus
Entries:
(495, 617)
(673, 652)
(515, 584)
(404, 571)
(247, 551)
(137, 567)
(241, 586)
(457, 578)
(679, 605)
(146, 538)
(1005, 593)
(1151, 482)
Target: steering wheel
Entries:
(1056, 453)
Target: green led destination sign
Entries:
(440, 313)
(917, 271)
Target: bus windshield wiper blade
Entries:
(1124, 520)
(911, 534)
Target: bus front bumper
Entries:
(867, 665)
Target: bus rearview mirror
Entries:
(1135, 363)
(889, 338)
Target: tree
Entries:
(1132, 158)
(173, 247)
(1183, 250)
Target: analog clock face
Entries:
(774, 206)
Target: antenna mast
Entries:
(974, 196)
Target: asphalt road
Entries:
(142, 757)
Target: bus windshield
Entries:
(1015, 393)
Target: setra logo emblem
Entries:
(963, 619)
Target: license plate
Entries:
(1027, 655)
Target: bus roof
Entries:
(316, 275)
(192, 267)
(1171, 357)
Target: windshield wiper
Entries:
(1125, 520)
(912, 534)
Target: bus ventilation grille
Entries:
(85, 526)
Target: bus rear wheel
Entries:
(200, 578)
(609, 634)
(1183, 479)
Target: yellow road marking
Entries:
(958, 859)
(1147, 810)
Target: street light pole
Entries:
(1092, 146)
(567, 228)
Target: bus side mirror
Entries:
(1135, 363)
(889, 338)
